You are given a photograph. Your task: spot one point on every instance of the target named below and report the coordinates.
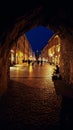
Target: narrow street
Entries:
(31, 101)
(33, 32)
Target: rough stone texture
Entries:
(30, 102)
(34, 102)
(3, 79)
(4, 66)
(66, 63)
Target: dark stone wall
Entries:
(66, 63)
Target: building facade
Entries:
(51, 52)
(21, 51)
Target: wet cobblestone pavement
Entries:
(31, 102)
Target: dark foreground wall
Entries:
(66, 63)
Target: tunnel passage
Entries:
(59, 23)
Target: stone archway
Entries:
(19, 27)
(26, 22)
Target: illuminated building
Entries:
(21, 51)
(51, 51)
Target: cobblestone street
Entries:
(36, 65)
(31, 101)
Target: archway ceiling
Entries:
(54, 14)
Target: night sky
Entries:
(38, 37)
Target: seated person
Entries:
(57, 69)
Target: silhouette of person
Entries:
(57, 69)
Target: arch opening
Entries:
(18, 28)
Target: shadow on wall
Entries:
(66, 113)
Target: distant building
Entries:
(37, 55)
(51, 52)
(21, 51)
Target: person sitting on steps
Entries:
(57, 69)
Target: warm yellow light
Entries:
(51, 54)
(56, 36)
(12, 57)
(12, 51)
(58, 49)
(30, 68)
(20, 54)
(16, 54)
